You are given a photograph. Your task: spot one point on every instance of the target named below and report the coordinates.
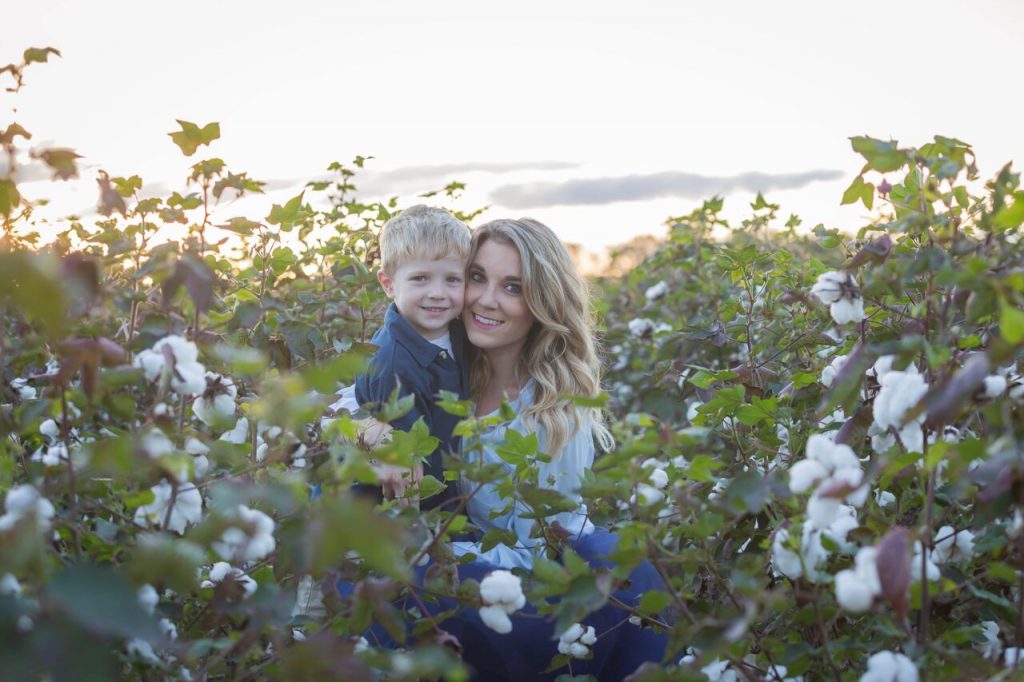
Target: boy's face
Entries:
(428, 293)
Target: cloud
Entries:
(419, 178)
(593, 191)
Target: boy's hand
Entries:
(374, 433)
(394, 480)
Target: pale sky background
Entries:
(600, 119)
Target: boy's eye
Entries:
(454, 279)
(418, 278)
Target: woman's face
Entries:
(496, 314)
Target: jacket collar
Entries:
(402, 332)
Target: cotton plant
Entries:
(839, 291)
(656, 292)
(577, 640)
(951, 545)
(930, 570)
(25, 502)
(250, 538)
(888, 666)
(857, 588)
(24, 390)
(652, 490)
(187, 376)
(834, 474)
(832, 370)
(718, 670)
(900, 391)
(187, 507)
(223, 571)
(991, 645)
(502, 594)
(216, 404)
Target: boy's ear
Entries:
(386, 283)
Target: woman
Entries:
(528, 319)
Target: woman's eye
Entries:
(513, 289)
(476, 277)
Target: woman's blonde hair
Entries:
(560, 353)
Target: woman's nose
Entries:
(487, 298)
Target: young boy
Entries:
(423, 262)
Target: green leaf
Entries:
(1011, 322)
(39, 54)
(9, 196)
(293, 211)
(343, 369)
(1010, 216)
(700, 468)
(517, 448)
(859, 191)
(654, 602)
(101, 601)
(191, 136)
(600, 401)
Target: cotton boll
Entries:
(188, 377)
(656, 292)
(852, 593)
(951, 545)
(24, 501)
(239, 434)
(496, 619)
(148, 598)
(641, 327)
(995, 386)
(49, 429)
(1013, 657)
(503, 588)
(253, 543)
(576, 641)
(931, 571)
(188, 507)
(22, 388)
(142, 650)
(51, 456)
(805, 474)
(900, 391)
(884, 499)
(822, 512)
(10, 586)
(828, 375)
(156, 443)
(829, 454)
(646, 495)
(829, 286)
(847, 310)
(991, 647)
(886, 666)
(222, 571)
(168, 629)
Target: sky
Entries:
(600, 119)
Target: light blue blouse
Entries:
(563, 474)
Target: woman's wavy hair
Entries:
(560, 353)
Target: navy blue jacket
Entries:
(422, 369)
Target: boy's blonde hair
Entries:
(422, 232)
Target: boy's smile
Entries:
(428, 293)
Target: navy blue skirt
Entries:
(525, 652)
